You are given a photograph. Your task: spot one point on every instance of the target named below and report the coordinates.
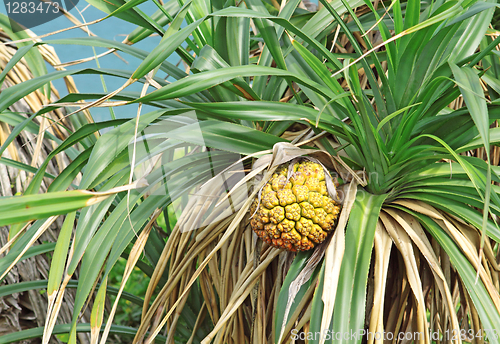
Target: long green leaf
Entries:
(203, 81)
(350, 301)
(18, 209)
(295, 269)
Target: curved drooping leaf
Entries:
(126, 11)
(475, 288)
(33, 57)
(202, 81)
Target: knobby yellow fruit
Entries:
(295, 214)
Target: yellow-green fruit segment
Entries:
(296, 214)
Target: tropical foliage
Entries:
(399, 99)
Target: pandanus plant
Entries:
(396, 100)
